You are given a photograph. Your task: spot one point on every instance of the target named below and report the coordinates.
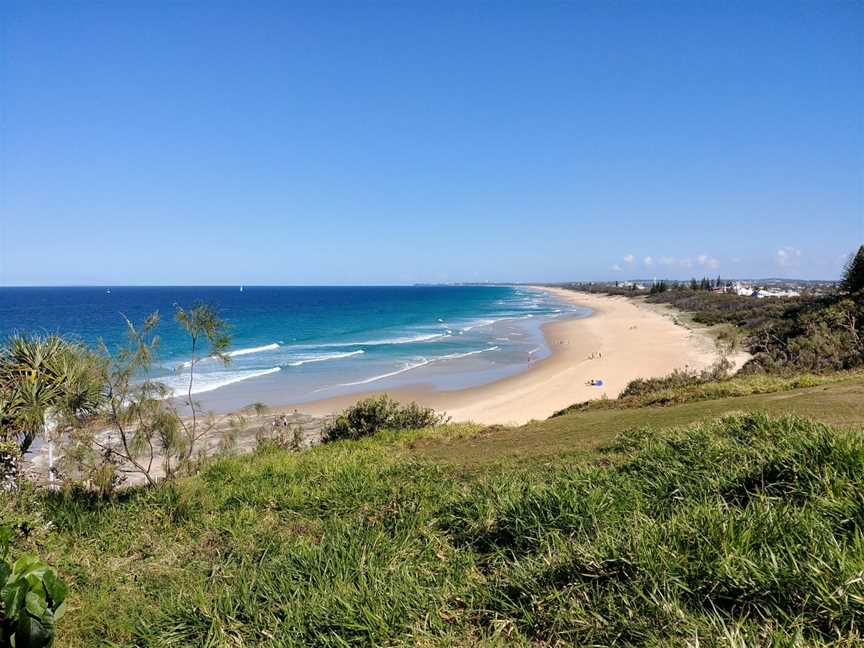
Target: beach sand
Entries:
(622, 340)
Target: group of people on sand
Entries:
(596, 355)
(594, 383)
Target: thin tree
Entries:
(210, 338)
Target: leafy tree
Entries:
(149, 435)
(853, 272)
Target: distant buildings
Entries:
(741, 288)
(749, 290)
(761, 293)
(634, 285)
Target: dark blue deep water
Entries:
(292, 344)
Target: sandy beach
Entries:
(622, 340)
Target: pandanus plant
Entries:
(44, 382)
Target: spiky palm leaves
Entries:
(45, 378)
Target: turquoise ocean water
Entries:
(295, 344)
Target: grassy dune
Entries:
(743, 530)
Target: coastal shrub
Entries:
(31, 599)
(677, 379)
(368, 416)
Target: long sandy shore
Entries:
(622, 340)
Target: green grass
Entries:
(838, 402)
(628, 527)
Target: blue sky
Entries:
(351, 142)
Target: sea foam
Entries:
(238, 352)
(324, 357)
(422, 362)
(205, 382)
(385, 341)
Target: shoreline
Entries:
(620, 341)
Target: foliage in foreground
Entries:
(743, 531)
(31, 599)
(68, 394)
(42, 377)
(371, 415)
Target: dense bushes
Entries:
(824, 335)
(786, 335)
(368, 416)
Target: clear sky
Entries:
(385, 142)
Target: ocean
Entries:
(296, 344)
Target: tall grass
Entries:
(742, 531)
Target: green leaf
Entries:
(26, 564)
(12, 597)
(55, 588)
(34, 581)
(59, 611)
(35, 604)
(34, 633)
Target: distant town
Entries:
(759, 288)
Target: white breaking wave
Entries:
(479, 324)
(239, 352)
(453, 356)
(416, 365)
(399, 340)
(205, 382)
(266, 347)
(408, 367)
(490, 322)
(324, 357)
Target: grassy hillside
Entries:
(839, 401)
(622, 530)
